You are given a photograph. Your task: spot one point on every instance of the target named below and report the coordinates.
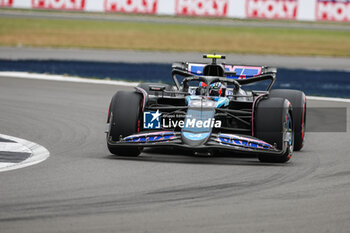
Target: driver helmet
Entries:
(217, 89)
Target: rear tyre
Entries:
(298, 101)
(274, 125)
(124, 119)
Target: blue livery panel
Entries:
(242, 72)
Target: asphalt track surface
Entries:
(83, 188)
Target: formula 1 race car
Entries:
(211, 108)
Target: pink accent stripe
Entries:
(144, 97)
(303, 120)
(150, 134)
(253, 111)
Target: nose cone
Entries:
(195, 139)
(198, 124)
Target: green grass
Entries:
(172, 37)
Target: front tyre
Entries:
(298, 101)
(274, 125)
(124, 120)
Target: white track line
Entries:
(3, 166)
(39, 154)
(13, 147)
(62, 78)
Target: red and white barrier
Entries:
(333, 10)
(131, 6)
(310, 10)
(78, 5)
(272, 9)
(6, 3)
(217, 8)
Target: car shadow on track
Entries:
(166, 155)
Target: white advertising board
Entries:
(306, 10)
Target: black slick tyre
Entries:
(274, 125)
(124, 120)
(298, 101)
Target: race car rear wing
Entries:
(243, 74)
(231, 70)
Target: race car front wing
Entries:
(231, 142)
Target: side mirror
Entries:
(156, 88)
